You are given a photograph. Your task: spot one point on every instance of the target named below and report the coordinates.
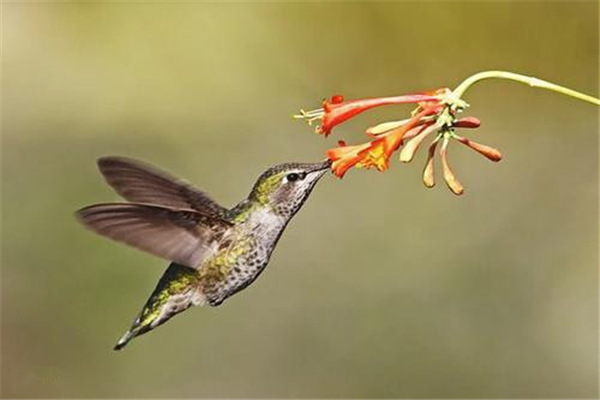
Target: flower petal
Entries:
(345, 157)
(374, 157)
(336, 99)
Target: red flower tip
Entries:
(337, 99)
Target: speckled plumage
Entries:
(223, 250)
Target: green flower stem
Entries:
(528, 80)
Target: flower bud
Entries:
(451, 180)
(428, 172)
(408, 151)
(487, 151)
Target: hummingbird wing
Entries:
(139, 182)
(181, 235)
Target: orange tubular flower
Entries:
(375, 154)
(336, 110)
(436, 112)
(345, 157)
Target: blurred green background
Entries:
(380, 288)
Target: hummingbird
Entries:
(215, 252)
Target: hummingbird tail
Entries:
(176, 291)
(124, 340)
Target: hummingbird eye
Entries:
(294, 176)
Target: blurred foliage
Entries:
(380, 288)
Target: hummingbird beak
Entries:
(319, 167)
(317, 170)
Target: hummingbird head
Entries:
(286, 187)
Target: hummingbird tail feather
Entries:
(124, 340)
(175, 292)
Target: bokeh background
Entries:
(380, 288)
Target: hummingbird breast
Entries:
(242, 255)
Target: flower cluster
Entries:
(435, 115)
